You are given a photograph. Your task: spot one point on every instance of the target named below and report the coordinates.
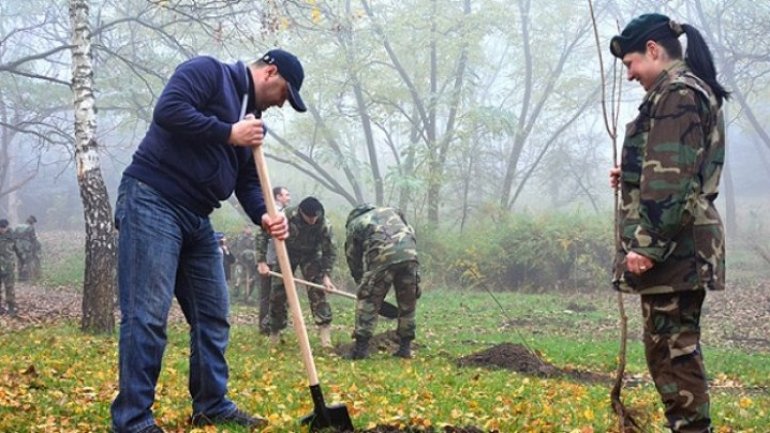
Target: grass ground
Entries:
(55, 379)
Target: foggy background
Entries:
(456, 111)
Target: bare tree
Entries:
(741, 66)
(29, 96)
(536, 92)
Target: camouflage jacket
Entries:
(305, 242)
(8, 251)
(378, 238)
(26, 240)
(241, 243)
(671, 162)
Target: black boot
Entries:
(404, 349)
(360, 350)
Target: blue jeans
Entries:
(165, 250)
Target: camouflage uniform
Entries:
(311, 248)
(243, 277)
(248, 265)
(8, 251)
(29, 252)
(671, 163)
(265, 281)
(381, 249)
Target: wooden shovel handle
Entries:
(317, 286)
(283, 263)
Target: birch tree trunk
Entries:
(99, 279)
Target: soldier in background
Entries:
(228, 259)
(29, 250)
(247, 260)
(672, 245)
(242, 279)
(8, 253)
(311, 248)
(381, 250)
(268, 261)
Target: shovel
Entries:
(322, 417)
(386, 309)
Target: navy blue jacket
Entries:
(185, 155)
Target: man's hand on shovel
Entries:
(249, 132)
(327, 282)
(263, 269)
(276, 226)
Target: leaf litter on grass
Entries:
(43, 306)
(445, 429)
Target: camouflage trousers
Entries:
(7, 281)
(265, 287)
(29, 267)
(245, 280)
(674, 358)
(372, 292)
(322, 312)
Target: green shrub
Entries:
(524, 252)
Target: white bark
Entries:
(86, 155)
(99, 281)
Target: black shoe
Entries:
(151, 429)
(237, 417)
(404, 350)
(360, 350)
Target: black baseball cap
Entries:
(291, 70)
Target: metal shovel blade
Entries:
(323, 417)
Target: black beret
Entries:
(647, 27)
(311, 207)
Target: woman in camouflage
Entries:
(671, 243)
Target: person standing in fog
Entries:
(8, 253)
(267, 260)
(672, 244)
(228, 259)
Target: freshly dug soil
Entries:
(386, 342)
(519, 358)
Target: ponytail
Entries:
(700, 61)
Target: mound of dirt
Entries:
(580, 308)
(510, 357)
(519, 358)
